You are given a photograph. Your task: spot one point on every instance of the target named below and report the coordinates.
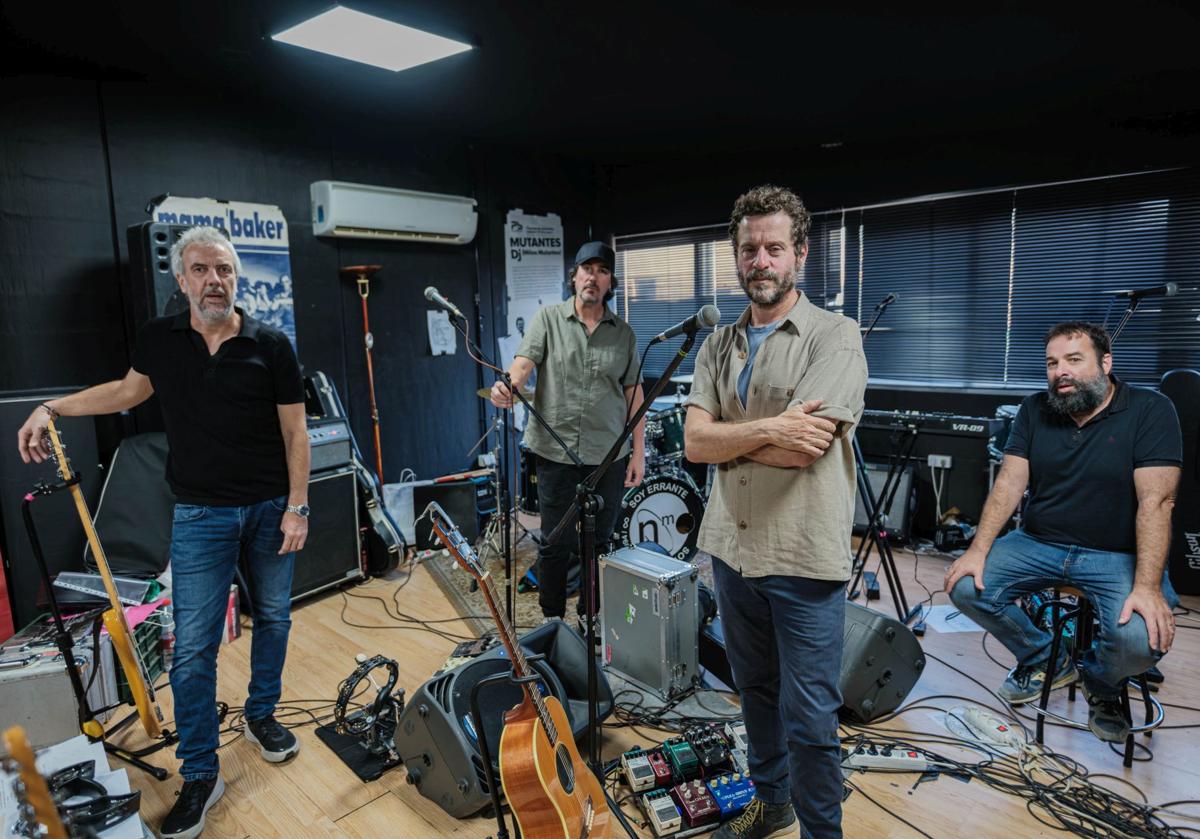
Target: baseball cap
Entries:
(596, 250)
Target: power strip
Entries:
(870, 757)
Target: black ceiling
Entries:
(624, 82)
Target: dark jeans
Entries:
(1018, 565)
(556, 497)
(206, 543)
(783, 635)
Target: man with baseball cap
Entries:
(587, 384)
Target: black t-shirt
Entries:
(220, 410)
(1081, 489)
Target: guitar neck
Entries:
(465, 554)
(508, 637)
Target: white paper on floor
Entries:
(947, 618)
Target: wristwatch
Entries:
(301, 510)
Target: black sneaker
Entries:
(1106, 717)
(186, 819)
(760, 820)
(275, 742)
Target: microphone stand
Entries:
(1134, 300)
(506, 461)
(589, 503)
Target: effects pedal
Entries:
(662, 772)
(873, 757)
(709, 746)
(698, 806)
(661, 812)
(736, 733)
(682, 758)
(638, 772)
(732, 792)
(739, 760)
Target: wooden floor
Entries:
(316, 795)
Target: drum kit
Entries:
(667, 506)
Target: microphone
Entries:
(434, 296)
(709, 315)
(887, 301)
(1167, 290)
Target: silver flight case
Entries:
(649, 619)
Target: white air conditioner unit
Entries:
(359, 211)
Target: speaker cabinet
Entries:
(436, 737)
(881, 661)
(331, 554)
(898, 515)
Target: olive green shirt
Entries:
(764, 520)
(581, 381)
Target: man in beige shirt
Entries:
(587, 386)
(774, 402)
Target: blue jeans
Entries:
(206, 543)
(1018, 565)
(784, 635)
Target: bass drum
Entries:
(665, 509)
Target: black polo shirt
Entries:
(1081, 489)
(220, 410)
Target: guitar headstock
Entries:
(454, 541)
(38, 808)
(58, 453)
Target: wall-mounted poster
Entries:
(533, 263)
(259, 233)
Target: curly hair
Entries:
(1099, 336)
(765, 200)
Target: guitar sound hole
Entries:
(566, 773)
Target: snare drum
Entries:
(667, 434)
(665, 509)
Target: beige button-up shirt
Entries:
(764, 520)
(581, 381)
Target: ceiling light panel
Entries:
(368, 39)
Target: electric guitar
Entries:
(42, 814)
(141, 688)
(551, 790)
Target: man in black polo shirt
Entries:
(233, 404)
(1101, 460)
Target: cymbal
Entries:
(683, 379)
(665, 402)
(486, 393)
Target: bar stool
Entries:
(1062, 612)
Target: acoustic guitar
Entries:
(551, 791)
(33, 791)
(141, 688)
